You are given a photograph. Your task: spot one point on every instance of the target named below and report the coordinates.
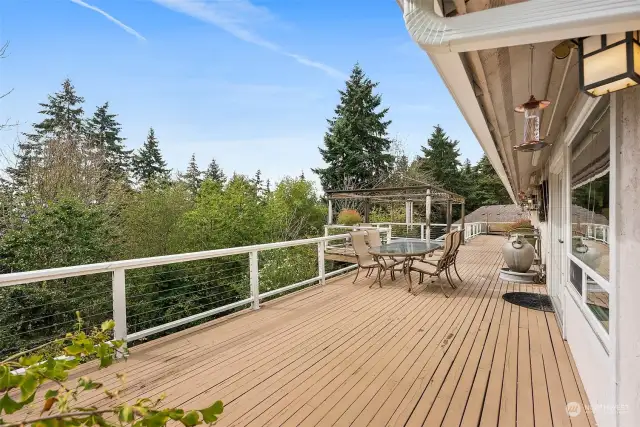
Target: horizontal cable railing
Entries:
(150, 296)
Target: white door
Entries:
(556, 264)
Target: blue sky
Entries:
(247, 82)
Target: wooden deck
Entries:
(344, 354)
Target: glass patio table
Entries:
(403, 251)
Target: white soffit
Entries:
(533, 21)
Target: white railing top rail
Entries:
(25, 277)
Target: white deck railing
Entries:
(246, 276)
(418, 230)
(599, 232)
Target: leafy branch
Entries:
(24, 374)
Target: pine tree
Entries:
(103, 134)
(59, 133)
(148, 164)
(440, 159)
(192, 177)
(258, 183)
(489, 189)
(356, 145)
(214, 172)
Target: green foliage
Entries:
(64, 233)
(489, 189)
(215, 173)
(23, 375)
(149, 221)
(192, 178)
(103, 133)
(293, 210)
(148, 165)
(349, 217)
(356, 145)
(440, 159)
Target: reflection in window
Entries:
(590, 201)
(598, 302)
(575, 276)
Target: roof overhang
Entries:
(533, 21)
(450, 42)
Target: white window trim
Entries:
(599, 330)
(602, 334)
(601, 281)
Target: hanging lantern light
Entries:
(609, 63)
(532, 110)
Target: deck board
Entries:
(343, 354)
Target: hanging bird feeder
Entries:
(532, 110)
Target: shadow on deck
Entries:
(344, 354)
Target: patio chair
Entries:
(457, 241)
(435, 266)
(373, 237)
(365, 260)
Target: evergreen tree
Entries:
(103, 134)
(489, 189)
(440, 159)
(356, 145)
(214, 172)
(59, 133)
(258, 183)
(467, 185)
(192, 177)
(148, 164)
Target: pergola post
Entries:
(330, 215)
(427, 216)
(448, 216)
(408, 211)
(367, 207)
(462, 221)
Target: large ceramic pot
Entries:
(518, 254)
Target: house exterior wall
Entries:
(609, 369)
(627, 269)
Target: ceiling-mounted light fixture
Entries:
(532, 110)
(609, 63)
(563, 49)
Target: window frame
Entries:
(604, 336)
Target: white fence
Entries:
(239, 269)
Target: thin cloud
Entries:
(120, 24)
(238, 18)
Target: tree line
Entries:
(74, 194)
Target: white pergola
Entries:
(411, 195)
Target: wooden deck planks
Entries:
(343, 354)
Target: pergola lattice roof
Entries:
(415, 193)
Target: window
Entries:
(590, 201)
(590, 235)
(575, 276)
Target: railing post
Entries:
(254, 283)
(321, 263)
(119, 304)
(389, 234)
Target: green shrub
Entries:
(349, 217)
